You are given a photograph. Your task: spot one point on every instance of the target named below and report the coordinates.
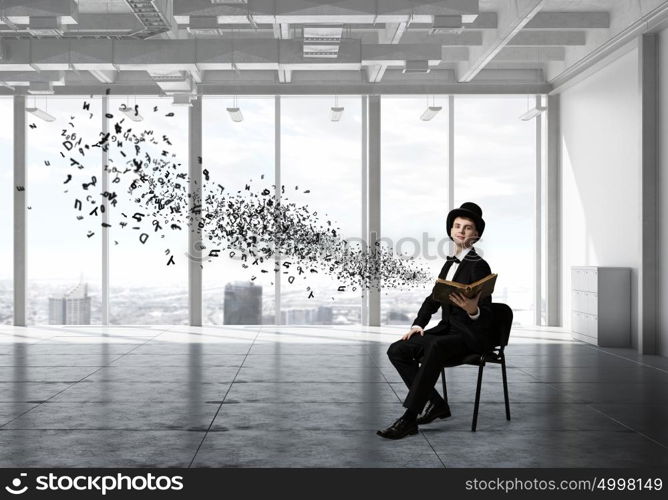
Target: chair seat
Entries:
(474, 359)
(471, 359)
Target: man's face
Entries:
(463, 231)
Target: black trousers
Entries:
(419, 361)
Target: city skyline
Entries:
(156, 305)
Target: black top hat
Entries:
(469, 210)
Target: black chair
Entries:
(502, 322)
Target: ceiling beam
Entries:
(548, 38)
(510, 76)
(319, 86)
(104, 76)
(454, 54)
(569, 21)
(530, 54)
(106, 24)
(342, 11)
(192, 55)
(31, 76)
(20, 11)
(513, 15)
(391, 53)
(463, 39)
(391, 34)
(484, 21)
(89, 24)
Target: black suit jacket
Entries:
(478, 332)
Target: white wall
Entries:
(600, 174)
(663, 188)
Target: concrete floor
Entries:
(313, 397)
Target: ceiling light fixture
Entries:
(40, 113)
(235, 112)
(132, 113)
(532, 113)
(431, 111)
(336, 111)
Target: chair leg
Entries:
(445, 389)
(505, 388)
(477, 400)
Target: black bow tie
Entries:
(452, 258)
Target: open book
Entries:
(443, 288)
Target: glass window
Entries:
(495, 162)
(414, 197)
(236, 155)
(6, 212)
(321, 170)
(321, 177)
(63, 229)
(148, 237)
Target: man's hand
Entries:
(415, 329)
(469, 305)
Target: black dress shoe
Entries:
(399, 429)
(432, 412)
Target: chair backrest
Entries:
(503, 321)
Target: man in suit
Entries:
(464, 329)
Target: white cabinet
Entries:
(601, 305)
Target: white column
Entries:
(365, 201)
(374, 202)
(20, 231)
(104, 176)
(195, 199)
(648, 286)
(537, 214)
(277, 199)
(552, 204)
(451, 160)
